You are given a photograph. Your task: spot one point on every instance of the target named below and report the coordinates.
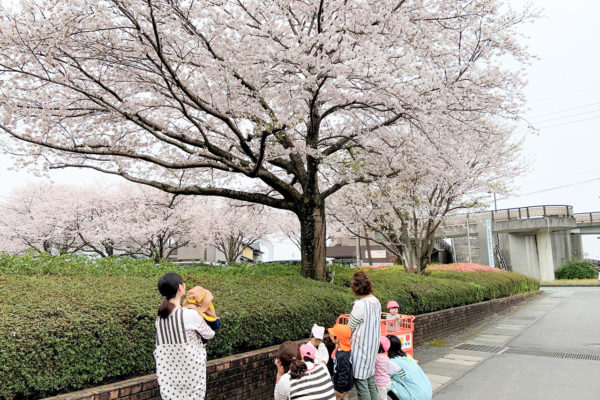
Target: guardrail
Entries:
(587, 218)
(513, 214)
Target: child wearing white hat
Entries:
(316, 341)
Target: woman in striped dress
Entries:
(180, 355)
(364, 323)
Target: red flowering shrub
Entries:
(463, 267)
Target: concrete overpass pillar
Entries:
(524, 254)
(577, 246)
(544, 248)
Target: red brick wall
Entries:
(251, 376)
(442, 323)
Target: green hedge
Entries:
(70, 322)
(576, 269)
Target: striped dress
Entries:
(314, 385)
(381, 370)
(180, 355)
(365, 321)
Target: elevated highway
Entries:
(532, 240)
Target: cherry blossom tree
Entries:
(41, 218)
(101, 229)
(404, 213)
(278, 103)
(126, 219)
(287, 227)
(155, 223)
(231, 226)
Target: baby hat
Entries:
(318, 331)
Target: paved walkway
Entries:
(549, 349)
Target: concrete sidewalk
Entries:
(426, 353)
(548, 350)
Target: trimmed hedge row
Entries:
(71, 322)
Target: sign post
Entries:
(490, 244)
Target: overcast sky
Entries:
(564, 103)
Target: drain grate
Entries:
(479, 347)
(553, 354)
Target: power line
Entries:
(522, 129)
(568, 123)
(566, 116)
(565, 110)
(550, 189)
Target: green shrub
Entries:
(73, 321)
(576, 269)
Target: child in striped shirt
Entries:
(382, 379)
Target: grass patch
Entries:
(437, 343)
(568, 282)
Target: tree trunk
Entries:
(407, 249)
(312, 241)
(231, 251)
(369, 255)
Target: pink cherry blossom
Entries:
(278, 103)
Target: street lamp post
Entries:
(495, 203)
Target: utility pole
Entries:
(468, 239)
(357, 245)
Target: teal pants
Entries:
(366, 389)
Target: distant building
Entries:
(252, 253)
(210, 254)
(343, 249)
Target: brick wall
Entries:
(442, 323)
(251, 376)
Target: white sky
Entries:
(564, 101)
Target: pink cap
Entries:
(392, 304)
(384, 342)
(306, 350)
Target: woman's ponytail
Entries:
(395, 349)
(168, 285)
(165, 308)
(297, 369)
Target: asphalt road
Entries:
(564, 320)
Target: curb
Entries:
(571, 285)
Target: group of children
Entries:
(340, 364)
(318, 348)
